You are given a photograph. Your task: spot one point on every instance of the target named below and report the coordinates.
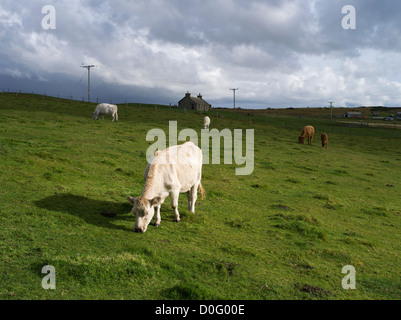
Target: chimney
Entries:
(200, 96)
(188, 94)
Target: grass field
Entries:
(284, 232)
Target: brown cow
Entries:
(307, 132)
(325, 140)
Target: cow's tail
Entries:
(202, 191)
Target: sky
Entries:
(278, 53)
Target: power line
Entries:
(331, 109)
(89, 79)
(234, 95)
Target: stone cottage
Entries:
(192, 103)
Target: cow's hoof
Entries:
(156, 224)
(176, 220)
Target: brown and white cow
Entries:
(307, 132)
(176, 170)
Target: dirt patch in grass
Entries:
(333, 206)
(305, 226)
(313, 290)
(258, 186)
(237, 223)
(321, 197)
(281, 207)
(376, 211)
(189, 291)
(226, 266)
(293, 180)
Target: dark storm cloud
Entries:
(378, 27)
(288, 52)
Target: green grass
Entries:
(284, 232)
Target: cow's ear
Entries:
(155, 201)
(131, 200)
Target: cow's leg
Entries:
(174, 204)
(158, 217)
(103, 117)
(189, 195)
(194, 196)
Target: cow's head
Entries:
(301, 139)
(144, 210)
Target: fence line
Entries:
(81, 99)
(74, 98)
(69, 97)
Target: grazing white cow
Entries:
(206, 122)
(105, 109)
(170, 172)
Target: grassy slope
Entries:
(285, 232)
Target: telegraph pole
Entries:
(89, 79)
(234, 95)
(331, 109)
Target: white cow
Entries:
(105, 109)
(172, 171)
(206, 122)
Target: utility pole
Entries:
(89, 79)
(234, 95)
(331, 109)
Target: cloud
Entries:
(279, 53)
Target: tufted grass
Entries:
(284, 232)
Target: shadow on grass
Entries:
(88, 209)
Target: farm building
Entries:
(352, 115)
(193, 103)
(398, 116)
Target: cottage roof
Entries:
(196, 100)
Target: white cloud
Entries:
(9, 19)
(280, 53)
